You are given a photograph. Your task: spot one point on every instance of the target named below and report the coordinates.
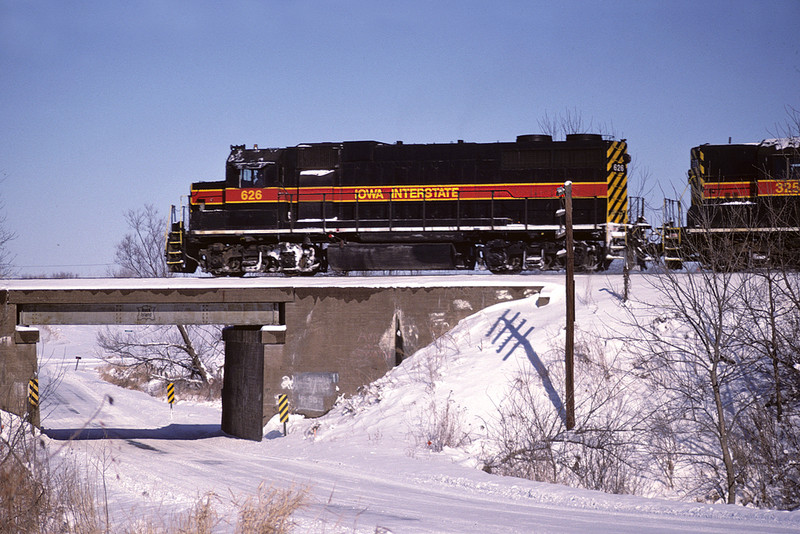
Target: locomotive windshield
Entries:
(263, 174)
(786, 167)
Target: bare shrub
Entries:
(126, 376)
(201, 518)
(526, 435)
(38, 494)
(270, 510)
(442, 425)
(530, 438)
(768, 452)
(662, 444)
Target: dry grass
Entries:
(41, 494)
(21, 497)
(270, 510)
(36, 494)
(129, 377)
(140, 378)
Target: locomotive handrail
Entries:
(458, 211)
(491, 210)
(294, 199)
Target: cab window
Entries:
(264, 175)
(252, 178)
(785, 167)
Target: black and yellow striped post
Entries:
(33, 392)
(171, 394)
(283, 409)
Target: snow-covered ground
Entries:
(368, 464)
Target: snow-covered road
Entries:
(363, 471)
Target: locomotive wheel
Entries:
(308, 262)
(302, 260)
(500, 260)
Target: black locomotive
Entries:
(366, 205)
(745, 196)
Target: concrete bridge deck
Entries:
(312, 338)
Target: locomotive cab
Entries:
(248, 168)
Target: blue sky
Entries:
(106, 106)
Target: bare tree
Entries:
(772, 476)
(158, 352)
(571, 121)
(696, 356)
(140, 253)
(162, 352)
(6, 236)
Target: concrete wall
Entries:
(344, 338)
(18, 363)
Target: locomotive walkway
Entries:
(327, 335)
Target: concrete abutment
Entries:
(18, 363)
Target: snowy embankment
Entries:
(406, 455)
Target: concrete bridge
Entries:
(311, 338)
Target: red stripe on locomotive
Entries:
(404, 193)
(726, 190)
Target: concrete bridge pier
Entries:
(252, 356)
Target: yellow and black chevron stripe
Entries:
(616, 166)
(33, 392)
(283, 407)
(697, 174)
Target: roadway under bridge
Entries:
(311, 338)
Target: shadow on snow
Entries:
(505, 332)
(173, 432)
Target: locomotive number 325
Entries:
(788, 188)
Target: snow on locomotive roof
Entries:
(781, 143)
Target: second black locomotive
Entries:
(745, 202)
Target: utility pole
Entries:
(569, 346)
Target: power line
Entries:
(70, 265)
